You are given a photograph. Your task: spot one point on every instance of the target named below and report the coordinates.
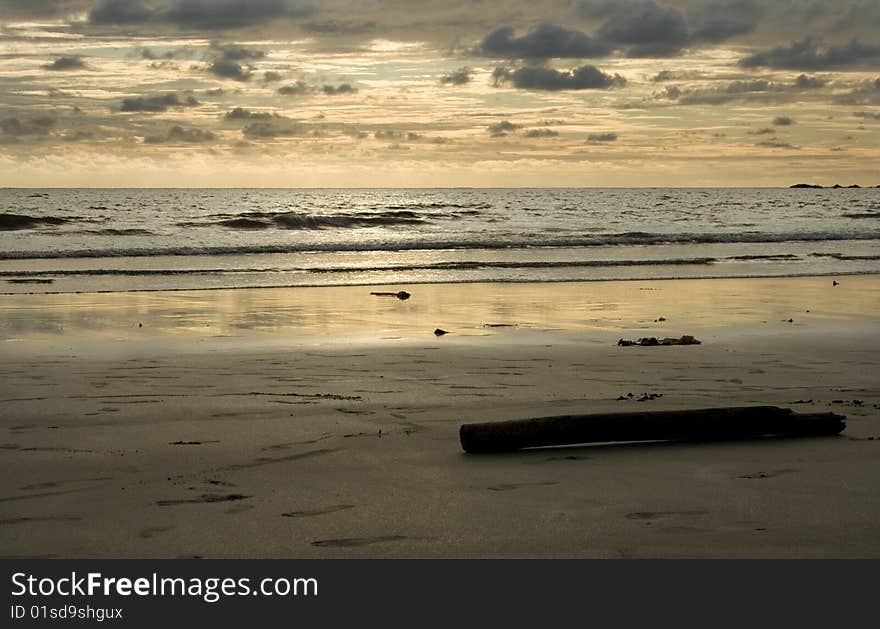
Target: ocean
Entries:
(92, 240)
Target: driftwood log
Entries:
(709, 424)
(401, 294)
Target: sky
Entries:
(408, 93)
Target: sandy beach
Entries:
(323, 422)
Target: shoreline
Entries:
(323, 423)
(449, 282)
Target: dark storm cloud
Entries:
(228, 69)
(541, 78)
(459, 77)
(232, 13)
(647, 28)
(178, 134)
(157, 102)
(32, 8)
(66, 63)
(602, 137)
(719, 20)
(120, 12)
(859, 12)
(809, 54)
(597, 9)
(545, 41)
(226, 63)
(207, 14)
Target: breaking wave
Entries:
(294, 220)
(10, 222)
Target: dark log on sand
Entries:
(401, 294)
(708, 424)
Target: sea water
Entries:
(83, 240)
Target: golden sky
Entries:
(364, 93)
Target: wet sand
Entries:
(324, 422)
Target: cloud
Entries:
(389, 135)
(269, 130)
(502, 128)
(602, 137)
(783, 121)
(804, 82)
(207, 14)
(337, 90)
(596, 9)
(866, 94)
(545, 41)
(221, 14)
(338, 27)
(240, 113)
(756, 89)
(868, 115)
(719, 20)
(226, 63)
(30, 8)
(34, 125)
(234, 52)
(647, 28)
(808, 54)
(664, 75)
(459, 77)
(157, 102)
(228, 69)
(541, 133)
(66, 63)
(296, 89)
(271, 76)
(776, 144)
(541, 78)
(120, 12)
(178, 134)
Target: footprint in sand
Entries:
(352, 542)
(204, 498)
(153, 531)
(313, 512)
(45, 518)
(570, 457)
(772, 474)
(655, 515)
(511, 486)
(57, 483)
